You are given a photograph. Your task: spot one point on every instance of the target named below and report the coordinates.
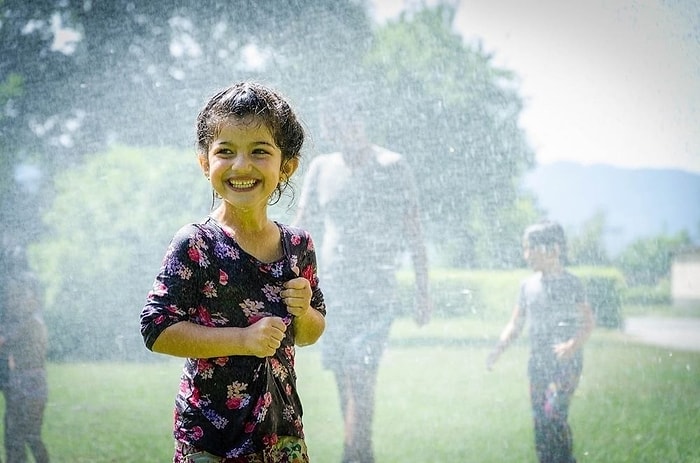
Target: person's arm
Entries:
(510, 333)
(568, 348)
(308, 327)
(419, 254)
(187, 339)
(166, 324)
(307, 207)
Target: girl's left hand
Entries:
(297, 295)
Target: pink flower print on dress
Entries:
(194, 254)
(205, 368)
(234, 403)
(270, 439)
(223, 278)
(237, 398)
(204, 317)
(159, 289)
(193, 397)
(261, 407)
(249, 427)
(197, 433)
(309, 274)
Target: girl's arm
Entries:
(509, 334)
(186, 339)
(308, 327)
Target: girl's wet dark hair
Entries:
(546, 233)
(253, 100)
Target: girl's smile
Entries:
(243, 163)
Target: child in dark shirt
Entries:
(560, 321)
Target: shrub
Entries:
(491, 294)
(647, 295)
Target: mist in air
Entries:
(99, 170)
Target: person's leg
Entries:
(35, 419)
(15, 427)
(356, 387)
(538, 393)
(550, 398)
(566, 381)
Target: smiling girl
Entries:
(237, 291)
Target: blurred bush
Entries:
(491, 294)
(648, 295)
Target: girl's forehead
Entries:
(251, 122)
(232, 128)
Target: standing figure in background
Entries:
(25, 340)
(363, 201)
(11, 258)
(237, 291)
(560, 322)
(4, 360)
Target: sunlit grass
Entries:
(435, 403)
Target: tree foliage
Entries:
(648, 260)
(455, 115)
(106, 232)
(134, 73)
(101, 98)
(587, 247)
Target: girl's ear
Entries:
(204, 163)
(289, 167)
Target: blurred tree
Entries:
(107, 230)
(454, 114)
(587, 247)
(646, 261)
(85, 79)
(92, 74)
(99, 73)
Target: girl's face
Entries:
(244, 164)
(540, 257)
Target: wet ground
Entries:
(675, 333)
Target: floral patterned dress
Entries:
(238, 405)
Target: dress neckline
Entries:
(285, 251)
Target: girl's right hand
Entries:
(264, 337)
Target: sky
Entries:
(612, 82)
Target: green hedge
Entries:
(491, 294)
(659, 294)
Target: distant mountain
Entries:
(637, 202)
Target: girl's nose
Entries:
(240, 162)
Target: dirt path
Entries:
(675, 333)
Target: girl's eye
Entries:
(260, 152)
(224, 152)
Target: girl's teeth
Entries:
(247, 184)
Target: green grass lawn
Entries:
(436, 403)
